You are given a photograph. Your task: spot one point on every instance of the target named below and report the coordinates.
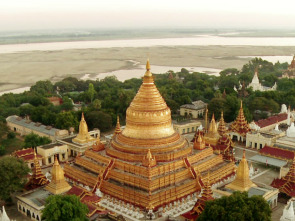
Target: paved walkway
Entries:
(259, 174)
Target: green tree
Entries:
(237, 207)
(2, 150)
(67, 104)
(34, 140)
(99, 119)
(64, 208)
(65, 120)
(91, 92)
(42, 87)
(13, 176)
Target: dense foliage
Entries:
(34, 140)
(64, 207)
(13, 176)
(103, 100)
(237, 207)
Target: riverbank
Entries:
(23, 69)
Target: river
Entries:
(205, 40)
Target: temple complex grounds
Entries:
(264, 176)
(25, 68)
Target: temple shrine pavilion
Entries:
(148, 170)
(287, 183)
(240, 127)
(216, 138)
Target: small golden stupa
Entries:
(83, 137)
(118, 126)
(58, 183)
(221, 126)
(149, 160)
(212, 136)
(199, 143)
(242, 181)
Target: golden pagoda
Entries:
(118, 126)
(199, 142)
(221, 126)
(58, 183)
(242, 181)
(38, 178)
(240, 126)
(212, 136)
(83, 136)
(148, 164)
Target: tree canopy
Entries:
(64, 208)
(13, 176)
(237, 207)
(34, 140)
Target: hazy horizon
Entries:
(18, 15)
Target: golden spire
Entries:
(37, 179)
(213, 127)
(240, 125)
(58, 183)
(221, 126)
(118, 127)
(148, 68)
(242, 181)
(83, 135)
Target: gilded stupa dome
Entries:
(148, 115)
(148, 124)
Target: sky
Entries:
(113, 14)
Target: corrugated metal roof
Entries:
(269, 161)
(50, 131)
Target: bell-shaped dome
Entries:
(148, 128)
(148, 115)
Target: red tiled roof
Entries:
(90, 198)
(75, 190)
(271, 120)
(26, 154)
(20, 153)
(277, 152)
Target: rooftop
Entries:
(272, 120)
(36, 197)
(48, 130)
(51, 145)
(195, 105)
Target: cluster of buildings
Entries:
(148, 170)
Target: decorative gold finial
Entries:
(241, 104)
(148, 68)
(244, 154)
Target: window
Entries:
(193, 129)
(63, 156)
(183, 131)
(49, 159)
(188, 130)
(260, 146)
